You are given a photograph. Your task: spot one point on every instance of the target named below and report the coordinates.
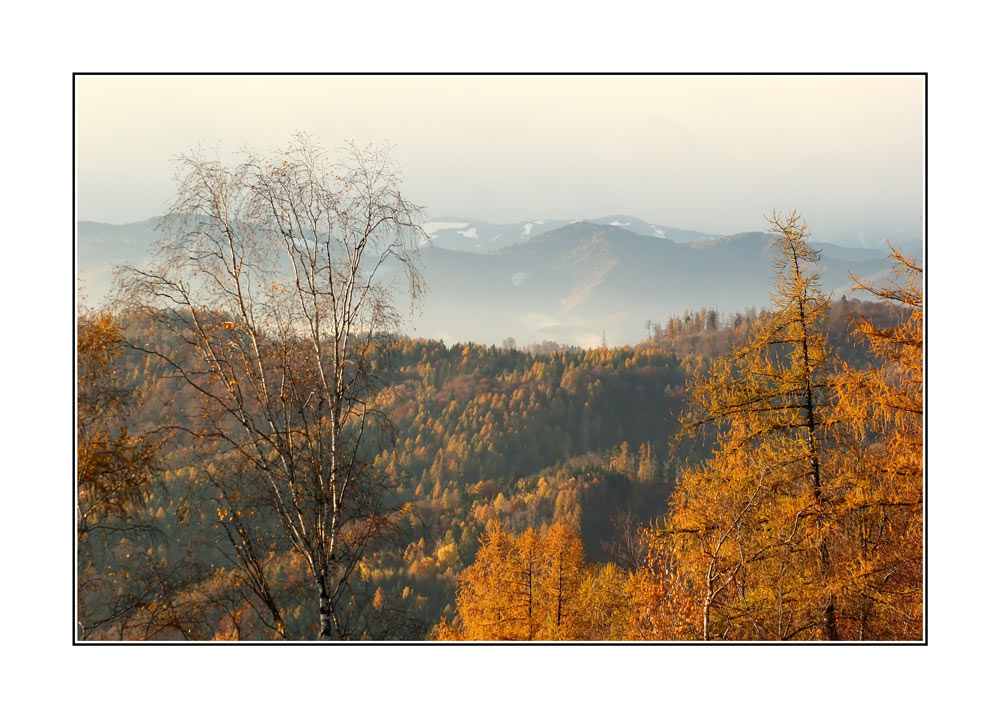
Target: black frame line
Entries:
(893, 73)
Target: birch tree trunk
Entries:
(280, 276)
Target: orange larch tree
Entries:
(879, 419)
(528, 587)
(751, 526)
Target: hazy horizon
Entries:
(706, 153)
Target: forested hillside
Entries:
(805, 522)
(582, 437)
(262, 456)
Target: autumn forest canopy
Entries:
(262, 454)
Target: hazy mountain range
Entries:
(474, 235)
(571, 282)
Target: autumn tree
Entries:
(661, 600)
(279, 276)
(751, 526)
(126, 588)
(648, 470)
(524, 587)
(561, 577)
(525, 602)
(879, 419)
(602, 604)
(114, 464)
(499, 596)
(485, 595)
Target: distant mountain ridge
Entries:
(576, 283)
(585, 283)
(100, 247)
(473, 235)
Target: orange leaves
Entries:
(805, 524)
(114, 466)
(879, 418)
(744, 529)
(662, 605)
(524, 587)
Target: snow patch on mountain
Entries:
(432, 228)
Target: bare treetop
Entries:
(279, 276)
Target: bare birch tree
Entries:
(279, 276)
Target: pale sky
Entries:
(712, 153)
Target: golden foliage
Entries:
(879, 420)
(749, 527)
(661, 605)
(114, 466)
(528, 587)
(805, 523)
